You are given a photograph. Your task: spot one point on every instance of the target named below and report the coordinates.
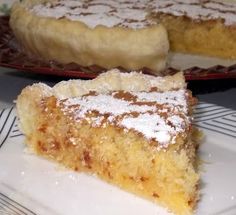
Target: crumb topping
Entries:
(134, 14)
(158, 116)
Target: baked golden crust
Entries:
(163, 171)
(69, 41)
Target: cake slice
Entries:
(130, 129)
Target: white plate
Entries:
(32, 185)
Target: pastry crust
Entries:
(69, 41)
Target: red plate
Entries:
(11, 56)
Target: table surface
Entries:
(221, 92)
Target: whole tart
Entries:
(104, 33)
(127, 34)
(132, 130)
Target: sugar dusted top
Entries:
(134, 14)
(98, 12)
(198, 9)
(158, 116)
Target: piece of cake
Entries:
(130, 129)
(206, 27)
(104, 33)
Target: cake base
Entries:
(204, 37)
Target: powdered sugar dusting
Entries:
(158, 116)
(98, 12)
(198, 9)
(175, 98)
(105, 104)
(135, 13)
(152, 126)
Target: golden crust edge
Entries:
(73, 41)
